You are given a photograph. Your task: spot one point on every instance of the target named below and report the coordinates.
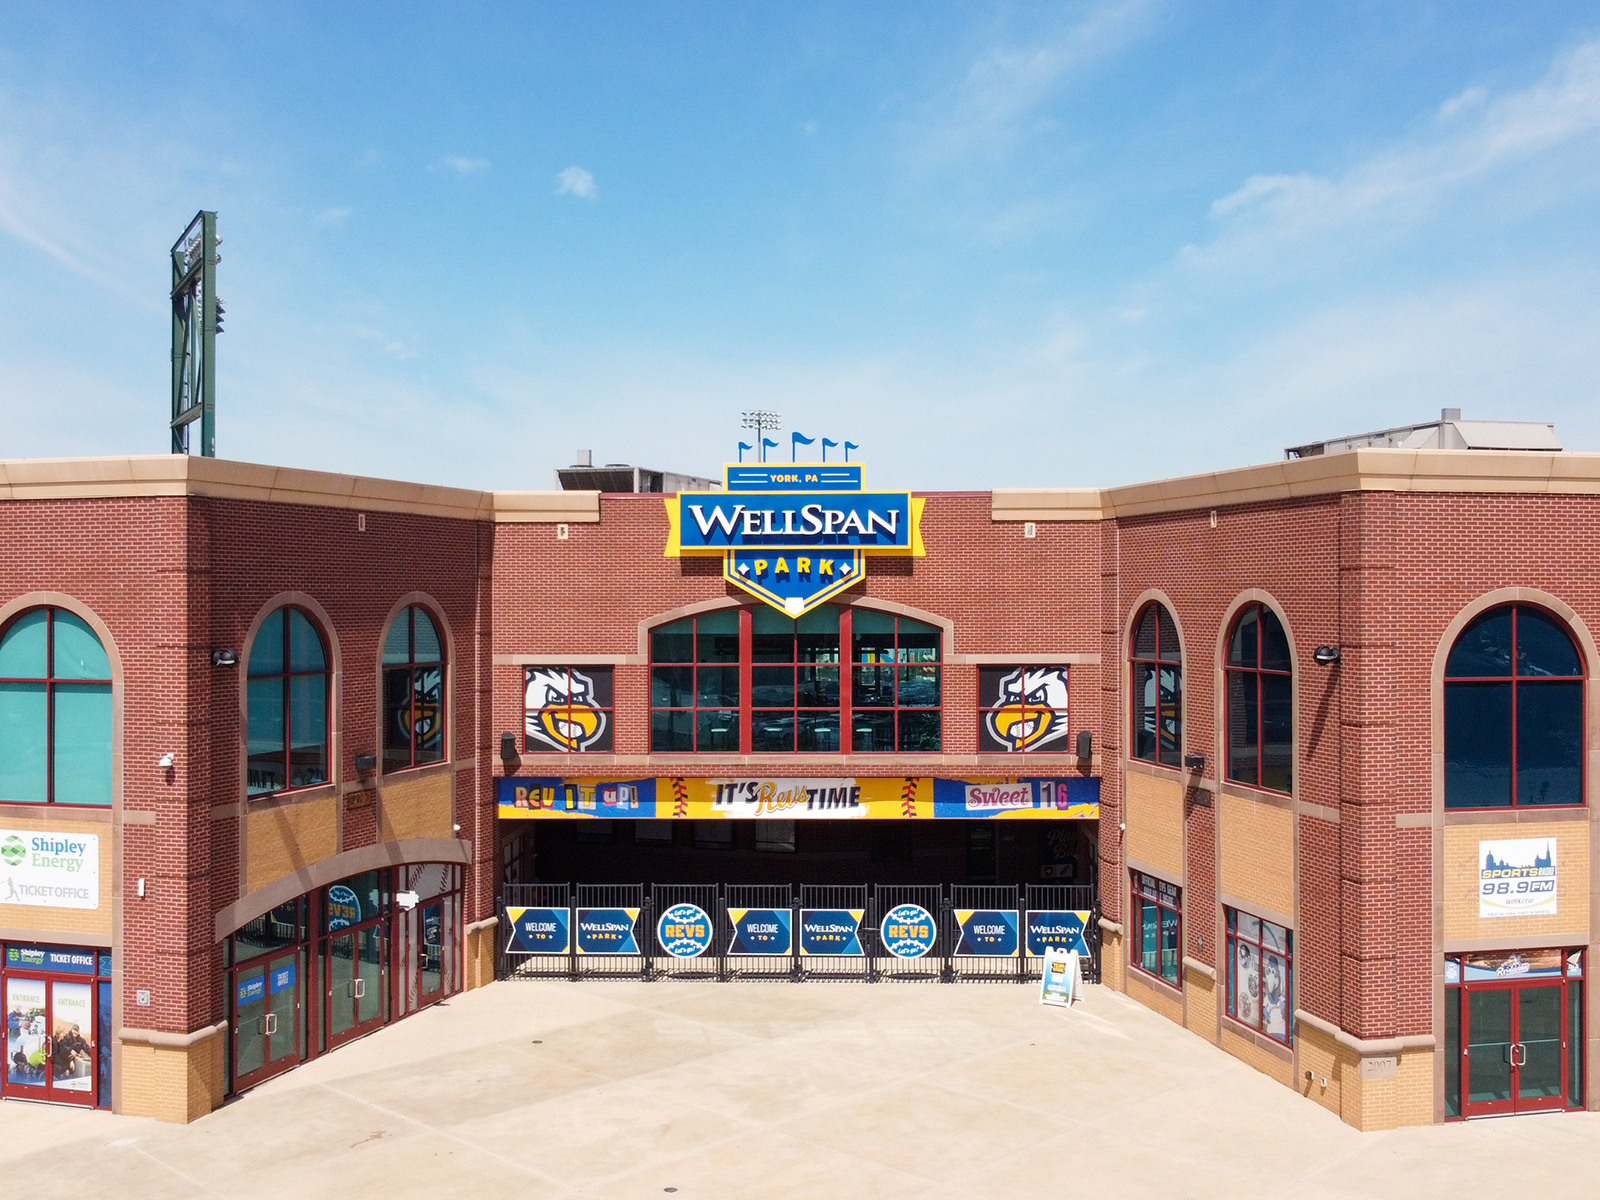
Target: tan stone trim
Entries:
(1367, 1048)
(564, 660)
(1321, 811)
(334, 868)
(1413, 820)
(800, 765)
(224, 812)
(178, 1041)
(16, 933)
(1240, 791)
(138, 817)
(545, 508)
(1047, 504)
(1133, 864)
(476, 926)
(1137, 766)
(1255, 1037)
(1111, 927)
(1512, 816)
(1253, 910)
(1199, 968)
(1539, 941)
(93, 814)
(305, 795)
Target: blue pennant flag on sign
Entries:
(849, 446)
(767, 444)
(743, 446)
(826, 442)
(797, 440)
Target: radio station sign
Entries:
(51, 870)
(1517, 878)
(794, 534)
(881, 798)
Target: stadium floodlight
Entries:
(761, 420)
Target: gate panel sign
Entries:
(908, 931)
(831, 932)
(539, 931)
(607, 930)
(1063, 928)
(761, 931)
(684, 931)
(987, 933)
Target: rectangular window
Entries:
(652, 833)
(896, 693)
(1157, 942)
(1260, 975)
(794, 681)
(1023, 708)
(713, 835)
(567, 710)
(694, 684)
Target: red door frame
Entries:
(270, 1067)
(1515, 1104)
(47, 1090)
(386, 978)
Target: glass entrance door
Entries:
(358, 976)
(430, 953)
(1515, 1048)
(51, 1028)
(266, 1019)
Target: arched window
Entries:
(1513, 712)
(287, 704)
(55, 711)
(1260, 701)
(1157, 678)
(413, 691)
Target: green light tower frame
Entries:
(194, 334)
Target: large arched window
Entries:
(1260, 682)
(1513, 712)
(1156, 674)
(413, 691)
(287, 703)
(55, 711)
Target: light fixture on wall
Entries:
(1194, 762)
(224, 658)
(1325, 656)
(508, 749)
(366, 763)
(167, 760)
(1085, 745)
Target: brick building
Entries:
(305, 733)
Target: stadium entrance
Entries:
(902, 878)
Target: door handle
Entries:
(269, 1024)
(1519, 1054)
(359, 988)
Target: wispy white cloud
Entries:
(575, 181)
(335, 217)
(1474, 138)
(998, 100)
(461, 164)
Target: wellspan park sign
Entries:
(896, 798)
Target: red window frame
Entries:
(1515, 681)
(1256, 676)
(287, 674)
(1156, 664)
(51, 681)
(414, 671)
(1235, 939)
(1164, 897)
(903, 669)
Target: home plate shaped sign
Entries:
(794, 534)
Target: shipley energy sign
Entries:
(794, 534)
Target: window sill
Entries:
(1141, 766)
(1135, 971)
(1244, 791)
(1527, 814)
(303, 795)
(402, 774)
(1260, 1040)
(45, 812)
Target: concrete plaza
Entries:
(756, 1090)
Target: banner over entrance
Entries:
(794, 534)
(878, 798)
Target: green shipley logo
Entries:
(13, 851)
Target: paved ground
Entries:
(767, 1090)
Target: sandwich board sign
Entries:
(1062, 981)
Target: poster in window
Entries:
(567, 709)
(1517, 878)
(1024, 708)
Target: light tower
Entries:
(760, 420)
(196, 321)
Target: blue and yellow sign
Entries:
(761, 931)
(987, 933)
(607, 930)
(908, 931)
(684, 931)
(539, 930)
(1061, 928)
(794, 534)
(831, 932)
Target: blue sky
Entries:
(995, 245)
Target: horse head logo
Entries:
(560, 709)
(1031, 708)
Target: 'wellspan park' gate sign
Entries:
(794, 534)
(869, 798)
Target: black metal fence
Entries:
(980, 934)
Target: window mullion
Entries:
(846, 678)
(50, 706)
(746, 653)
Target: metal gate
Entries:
(981, 933)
